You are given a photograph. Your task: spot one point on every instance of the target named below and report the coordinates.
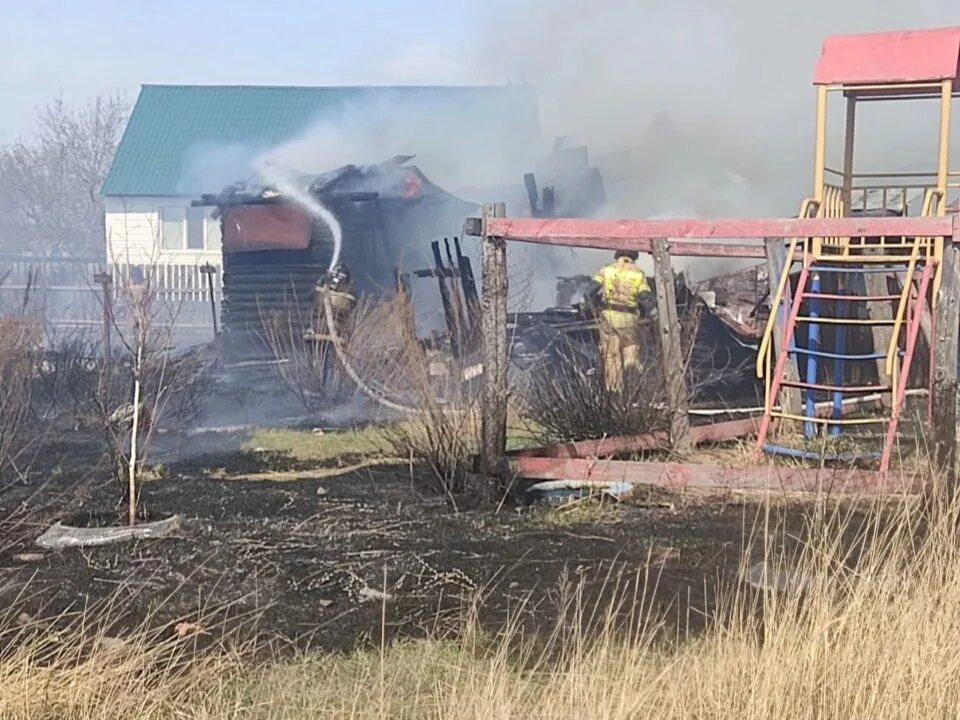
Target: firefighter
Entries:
(622, 294)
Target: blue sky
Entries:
(86, 47)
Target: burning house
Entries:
(278, 244)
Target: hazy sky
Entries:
(84, 47)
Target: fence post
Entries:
(105, 281)
(209, 270)
(944, 400)
(776, 260)
(493, 308)
(674, 369)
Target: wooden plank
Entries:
(714, 432)
(776, 253)
(679, 476)
(638, 234)
(449, 312)
(674, 367)
(494, 328)
(944, 396)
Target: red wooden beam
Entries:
(637, 234)
(714, 432)
(677, 476)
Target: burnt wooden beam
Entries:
(714, 432)
(944, 391)
(495, 353)
(639, 234)
(674, 368)
(449, 313)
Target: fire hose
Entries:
(376, 395)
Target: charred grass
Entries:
(865, 626)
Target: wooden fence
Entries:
(66, 294)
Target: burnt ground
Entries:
(304, 559)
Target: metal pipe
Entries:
(851, 123)
(813, 342)
(943, 168)
(841, 348)
(820, 151)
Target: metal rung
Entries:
(847, 321)
(837, 388)
(829, 421)
(864, 259)
(811, 455)
(856, 298)
(838, 356)
(884, 269)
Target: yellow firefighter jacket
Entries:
(622, 284)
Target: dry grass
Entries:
(860, 629)
(19, 353)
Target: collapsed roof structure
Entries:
(275, 250)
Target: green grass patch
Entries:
(368, 443)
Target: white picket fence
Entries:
(64, 292)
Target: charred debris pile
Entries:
(392, 217)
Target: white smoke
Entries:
(280, 178)
(699, 108)
(698, 103)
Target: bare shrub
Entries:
(564, 397)
(443, 431)
(398, 372)
(19, 354)
(66, 382)
(306, 359)
(567, 399)
(146, 383)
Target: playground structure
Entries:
(875, 251)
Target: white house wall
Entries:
(132, 227)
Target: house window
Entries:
(214, 234)
(189, 228)
(172, 231)
(196, 219)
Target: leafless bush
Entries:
(19, 353)
(371, 342)
(66, 383)
(145, 384)
(306, 361)
(567, 399)
(442, 432)
(564, 396)
(439, 428)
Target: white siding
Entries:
(132, 226)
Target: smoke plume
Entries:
(703, 109)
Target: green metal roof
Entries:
(183, 140)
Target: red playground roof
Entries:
(890, 58)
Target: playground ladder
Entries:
(830, 293)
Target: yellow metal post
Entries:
(943, 161)
(820, 158)
(848, 151)
(943, 171)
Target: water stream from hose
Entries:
(282, 181)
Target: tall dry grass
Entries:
(864, 624)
